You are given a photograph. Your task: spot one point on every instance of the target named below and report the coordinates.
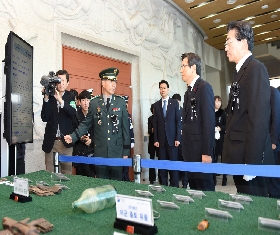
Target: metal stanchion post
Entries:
(136, 164)
(55, 162)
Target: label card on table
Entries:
(21, 186)
(135, 209)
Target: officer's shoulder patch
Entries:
(120, 96)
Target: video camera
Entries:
(49, 82)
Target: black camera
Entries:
(49, 82)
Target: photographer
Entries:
(58, 111)
(84, 146)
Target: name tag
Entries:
(21, 186)
(135, 209)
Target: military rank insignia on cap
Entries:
(110, 74)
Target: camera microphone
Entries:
(44, 80)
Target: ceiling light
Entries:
(231, 1)
(220, 26)
(237, 7)
(269, 38)
(262, 33)
(258, 25)
(264, 7)
(209, 16)
(251, 22)
(273, 16)
(189, 1)
(250, 17)
(217, 21)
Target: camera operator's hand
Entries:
(68, 139)
(58, 96)
(86, 140)
(46, 97)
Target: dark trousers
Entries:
(125, 174)
(170, 153)
(152, 171)
(182, 174)
(109, 172)
(257, 186)
(201, 181)
(20, 166)
(274, 182)
(85, 169)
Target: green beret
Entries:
(110, 74)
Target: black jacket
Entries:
(220, 120)
(65, 118)
(247, 139)
(198, 133)
(80, 148)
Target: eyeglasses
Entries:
(183, 66)
(227, 43)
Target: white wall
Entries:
(213, 77)
(150, 34)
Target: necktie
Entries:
(187, 97)
(164, 108)
(189, 93)
(108, 104)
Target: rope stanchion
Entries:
(219, 168)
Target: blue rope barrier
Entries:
(219, 168)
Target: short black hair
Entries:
(163, 81)
(193, 59)
(75, 93)
(243, 30)
(176, 97)
(63, 72)
(152, 108)
(84, 95)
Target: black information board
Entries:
(18, 108)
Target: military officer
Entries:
(108, 115)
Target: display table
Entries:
(58, 209)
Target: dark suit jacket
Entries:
(275, 115)
(198, 135)
(151, 146)
(106, 142)
(168, 127)
(65, 118)
(220, 120)
(247, 139)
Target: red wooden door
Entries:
(84, 67)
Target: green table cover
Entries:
(58, 209)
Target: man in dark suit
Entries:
(274, 182)
(125, 176)
(59, 112)
(152, 150)
(182, 174)
(108, 115)
(167, 132)
(247, 139)
(198, 121)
